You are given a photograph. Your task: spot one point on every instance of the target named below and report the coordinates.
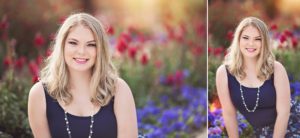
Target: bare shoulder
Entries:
(37, 91)
(37, 111)
(124, 108)
(221, 80)
(221, 72)
(279, 68)
(280, 74)
(123, 97)
(122, 88)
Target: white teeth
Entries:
(250, 49)
(80, 59)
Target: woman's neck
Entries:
(79, 81)
(250, 66)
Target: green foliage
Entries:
(13, 106)
(213, 64)
(290, 60)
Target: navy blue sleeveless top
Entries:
(265, 113)
(105, 124)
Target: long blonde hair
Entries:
(104, 75)
(234, 59)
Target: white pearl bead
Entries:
(243, 99)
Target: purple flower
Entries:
(157, 133)
(167, 116)
(210, 117)
(199, 120)
(177, 126)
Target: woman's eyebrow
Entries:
(73, 39)
(258, 36)
(91, 41)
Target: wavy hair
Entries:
(104, 75)
(234, 58)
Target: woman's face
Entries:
(80, 49)
(250, 42)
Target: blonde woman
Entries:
(79, 93)
(254, 83)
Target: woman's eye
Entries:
(258, 39)
(72, 43)
(92, 45)
(246, 38)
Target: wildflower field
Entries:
(163, 63)
(285, 35)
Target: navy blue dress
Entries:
(105, 124)
(264, 117)
(265, 113)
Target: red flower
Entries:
(126, 36)
(20, 63)
(197, 51)
(39, 40)
(294, 42)
(210, 50)
(229, 35)
(273, 27)
(39, 60)
(179, 77)
(35, 79)
(121, 45)
(170, 79)
(200, 29)
(144, 59)
(4, 23)
(288, 33)
(7, 62)
(132, 52)
(170, 30)
(282, 38)
(218, 51)
(34, 69)
(110, 30)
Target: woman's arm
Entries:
(124, 108)
(229, 111)
(282, 87)
(37, 112)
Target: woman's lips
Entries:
(251, 50)
(80, 60)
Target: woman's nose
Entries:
(81, 49)
(251, 42)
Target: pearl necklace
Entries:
(68, 126)
(243, 99)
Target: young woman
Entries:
(254, 83)
(79, 93)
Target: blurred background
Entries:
(283, 19)
(158, 46)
